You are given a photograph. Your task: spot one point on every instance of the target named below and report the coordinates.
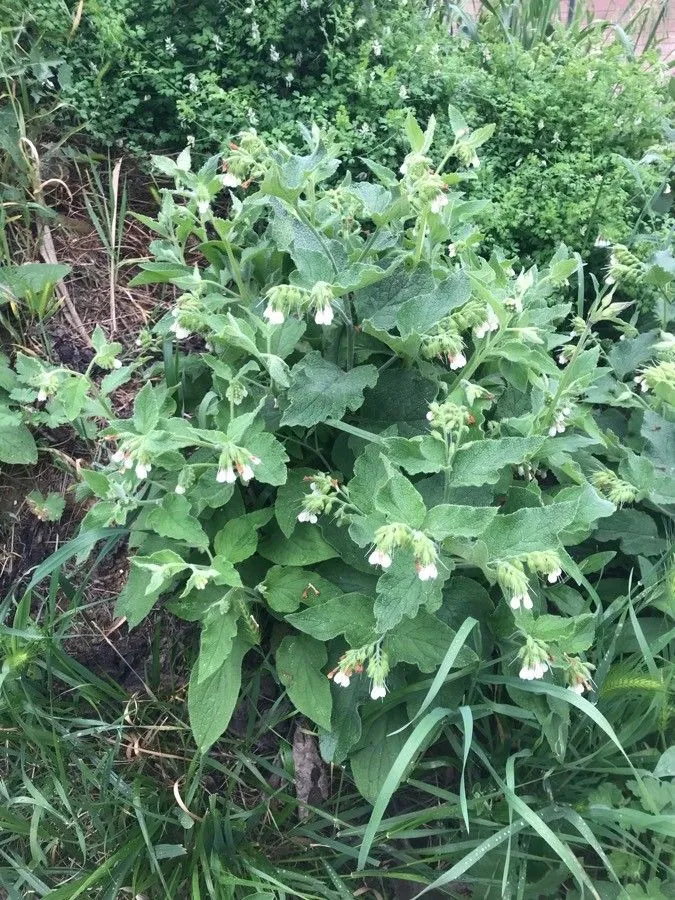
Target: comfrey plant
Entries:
(360, 448)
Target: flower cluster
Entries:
(248, 160)
(514, 582)
(370, 657)
(391, 537)
(534, 660)
(236, 462)
(614, 488)
(663, 373)
(447, 417)
(285, 299)
(559, 423)
(129, 458)
(624, 266)
(578, 675)
(320, 499)
(426, 189)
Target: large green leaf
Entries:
(636, 530)
(211, 702)
(424, 643)
(400, 593)
(449, 520)
(320, 390)
(219, 628)
(172, 519)
(383, 740)
(348, 614)
(300, 660)
(307, 547)
(421, 313)
(399, 501)
(286, 588)
(480, 462)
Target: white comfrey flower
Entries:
(377, 48)
(640, 382)
(128, 462)
(380, 558)
(519, 600)
(341, 679)
(558, 426)
(439, 201)
(474, 162)
(191, 140)
(179, 489)
(226, 475)
(179, 330)
(554, 575)
(324, 316)
(275, 56)
(533, 672)
(273, 316)
(118, 456)
(193, 83)
(42, 395)
(288, 78)
(230, 180)
(246, 473)
(169, 47)
(577, 688)
(403, 92)
(562, 359)
(427, 573)
(378, 692)
(307, 516)
(203, 207)
(457, 361)
(491, 323)
(142, 470)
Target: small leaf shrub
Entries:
(151, 75)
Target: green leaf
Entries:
(401, 593)
(421, 454)
(172, 519)
(286, 588)
(380, 303)
(480, 462)
(394, 777)
(219, 628)
(421, 313)
(236, 540)
(538, 528)
(135, 600)
(348, 614)
(211, 702)
(46, 508)
(383, 742)
(414, 133)
(288, 504)
(424, 643)
(17, 445)
(273, 458)
(306, 548)
(299, 662)
(449, 520)
(146, 409)
(163, 566)
(399, 501)
(320, 390)
(574, 635)
(636, 531)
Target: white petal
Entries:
(527, 601)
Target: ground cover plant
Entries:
(430, 489)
